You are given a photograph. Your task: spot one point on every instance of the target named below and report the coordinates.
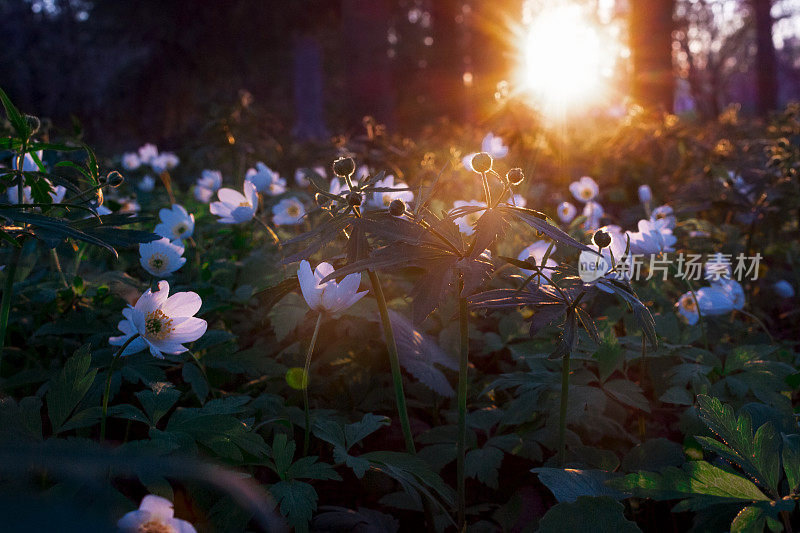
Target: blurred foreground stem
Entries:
(562, 418)
(107, 391)
(306, 379)
(462, 407)
(5, 304)
(397, 376)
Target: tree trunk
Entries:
(651, 27)
(766, 64)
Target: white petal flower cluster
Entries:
(162, 322)
(329, 297)
(234, 207)
(176, 223)
(155, 514)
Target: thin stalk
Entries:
(642, 372)
(462, 408)
(78, 258)
(270, 231)
(107, 391)
(57, 263)
(307, 379)
(5, 303)
(562, 418)
(397, 376)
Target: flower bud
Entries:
(344, 166)
(482, 162)
(354, 199)
(33, 123)
(115, 179)
(515, 176)
(601, 238)
(397, 207)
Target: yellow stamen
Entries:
(157, 325)
(157, 262)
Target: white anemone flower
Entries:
(129, 205)
(645, 194)
(329, 297)
(131, 161)
(302, 176)
(566, 212)
(207, 184)
(161, 257)
(783, 288)
(585, 189)
(467, 223)
(278, 186)
(155, 514)
(147, 183)
(493, 145)
(593, 213)
(261, 176)
(164, 161)
(176, 223)
(712, 301)
(288, 212)
(665, 212)
(234, 207)
(653, 237)
(28, 164)
(163, 322)
(537, 250)
(733, 289)
(382, 200)
(57, 193)
(147, 152)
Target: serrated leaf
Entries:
(628, 393)
(483, 464)
(69, 386)
(568, 484)
(297, 501)
(598, 514)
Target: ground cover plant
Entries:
(516, 328)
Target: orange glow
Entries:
(565, 60)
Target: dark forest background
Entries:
(124, 72)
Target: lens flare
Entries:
(564, 59)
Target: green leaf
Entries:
(627, 393)
(282, 454)
(68, 388)
(194, 376)
(654, 455)
(297, 500)
(158, 401)
(483, 464)
(697, 478)
(597, 514)
(287, 315)
(309, 468)
(15, 117)
(370, 423)
(568, 484)
(758, 455)
(791, 461)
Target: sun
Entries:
(565, 59)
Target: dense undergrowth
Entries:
(448, 366)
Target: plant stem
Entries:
(5, 304)
(78, 258)
(562, 418)
(307, 379)
(397, 376)
(57, 263)
(462, 407)
(270, 231)
(107, 391)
